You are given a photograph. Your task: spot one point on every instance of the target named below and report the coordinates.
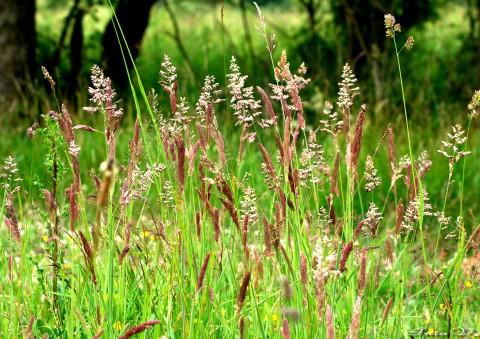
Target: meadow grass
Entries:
(175, 224)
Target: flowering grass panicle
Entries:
(415, 209)
(157, 242)
(245, 107)
(209, 96)
(168, 73)
(248, 205)
(348, 89)
(474, 105)
(409, 43)
(372, 180)
(312, 161)
(49, 78)
(372, 219)
(330, 122)
(453, 147)
(9, 176)
(391, 26)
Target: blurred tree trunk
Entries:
(133, 16)
(246, 29)
(76, 52)
(17, 49)
(361, 22)
(311, 7)
(177, 37)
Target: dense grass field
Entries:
(224, 214)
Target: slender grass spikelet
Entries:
(139, 329)
(203, 270)
(243, 291)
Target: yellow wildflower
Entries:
(275, 319)
(118, 326)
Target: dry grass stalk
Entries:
(474, 240)
(300, 121)
(50, 202)
(330, 322)
(391, 154)
(357, 141)
(362, 273)
(245, 235)
(192, 154)
(66, 126)
(139, 329)
(287, 259)
(203, 270)
(106, 183)
(135, 152)
(358, 229)
(14, 231)
(88, 253)
(286, 288)
(268, 163)
(334, 175)
(102, 199)
(389, 250)
(268, 233)
(198, 223)
(283, 205)
(279, 144)
(216, 223)
(293, 180)
(229, 202)
(73, 206)
(10, 218)
(99, 334)
(331, 213)
(354, 329)
(268, 105)
(126, 246)
(285, 329)
(232, 211)
(99, 315)
(220, 146)
(387, 310)
(28, 332)
(223, 187)
(180, 162)
(243, 291)
(172, 95)
(303, 270)
(286, 142)
(241, 327)
(277, 228)
(10, 267)
(258, 272)
(400, 213)
(320, 296)
(347, 249)
(113, 115)
(55, 236)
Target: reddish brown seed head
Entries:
(243, 291)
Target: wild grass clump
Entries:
(282, 229)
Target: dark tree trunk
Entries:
(133, 18)
(246, 29)
(362, 22)
(76, 52)
(17, 49)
